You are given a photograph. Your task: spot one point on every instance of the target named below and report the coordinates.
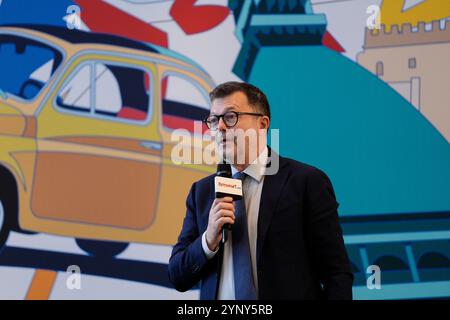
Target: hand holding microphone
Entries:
(221, 215)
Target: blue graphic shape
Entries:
(48, 12)
(382, 155)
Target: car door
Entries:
(183, 104)
(99, 149)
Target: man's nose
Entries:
(222, 127)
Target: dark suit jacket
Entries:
(300, 249)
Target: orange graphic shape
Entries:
(393, 13)
(41, 285)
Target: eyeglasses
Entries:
(230, 118)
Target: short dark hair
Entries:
(255, 96)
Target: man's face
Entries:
(240, 142)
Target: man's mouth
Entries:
(224, 140)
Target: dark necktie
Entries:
(242, 264)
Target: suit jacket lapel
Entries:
(273, 185)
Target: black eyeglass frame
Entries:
(218, 116)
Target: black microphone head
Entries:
(224, 170)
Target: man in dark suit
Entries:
(285, 241)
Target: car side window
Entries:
(121, 91)
(108, 90)
(183, 102)
(26, 65)
(76, 92)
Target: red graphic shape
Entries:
(175, 122)
(102, 17)
(195, 19)
(330, 42)
(131, 113)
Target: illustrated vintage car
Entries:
(85, 136)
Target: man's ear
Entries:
(264, 123)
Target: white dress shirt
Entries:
(252, 188)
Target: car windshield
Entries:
(26, 66)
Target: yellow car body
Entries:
(86, 175)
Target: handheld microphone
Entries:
(226, 186)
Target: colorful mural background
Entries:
(369, 107)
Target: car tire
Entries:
(102, 249)
(5, 224)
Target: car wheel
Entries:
(4, 223)
(102, 249)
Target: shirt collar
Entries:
(257, 168)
